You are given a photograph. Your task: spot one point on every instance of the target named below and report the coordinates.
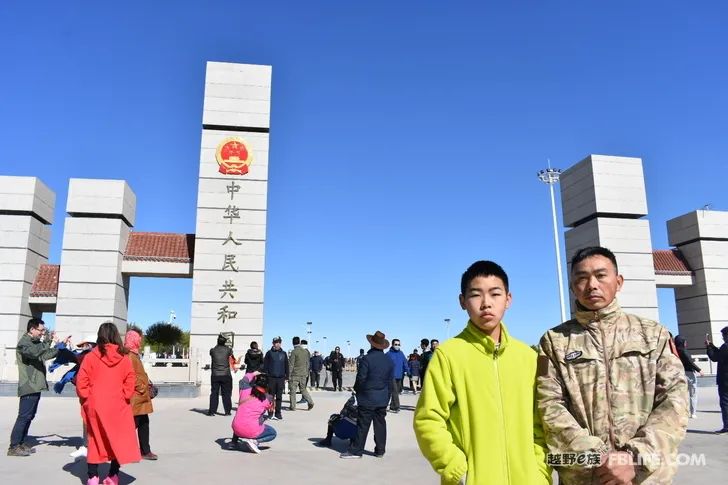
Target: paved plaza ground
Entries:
(193, 449)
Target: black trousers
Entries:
(27, 408)
(336, 377)
(275, 388)
(396, 389)
(365, 417)
(142, 426)
(315, 379)
(723, 396)
(93, 469)
(224, 385)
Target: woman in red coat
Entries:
(105, 384)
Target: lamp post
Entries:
(326, 348)
(447, 328)
(550, 176)
(309, 325)
(348, 348)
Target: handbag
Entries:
(153, 390)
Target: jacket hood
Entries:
(680, 342)
(112, 356)
(606, 315)
(485, 343)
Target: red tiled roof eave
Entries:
(160, 247)
(46, 281)
(670, 262)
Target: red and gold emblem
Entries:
(233, 156)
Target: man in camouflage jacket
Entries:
(610, 388)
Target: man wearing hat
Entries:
(373, 391)
(275, 364)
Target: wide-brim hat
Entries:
(378, 341)
(87, 339)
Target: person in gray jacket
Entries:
(31, 353)
(299, 364)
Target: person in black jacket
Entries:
(275, 365)
(690, 373)
(720, 355)
(373, 392)
(221, 380)
(317, 363)
(337, 362)
(253, 359)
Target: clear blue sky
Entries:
(405, 136)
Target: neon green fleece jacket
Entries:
(476, 416)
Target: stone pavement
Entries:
(192, 447)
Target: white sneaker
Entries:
(252, 445)
(693, 416)
(79, 453)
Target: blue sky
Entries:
(405, 137)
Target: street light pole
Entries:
(309, 325)
(348, 348)
(326, 348)
(447, 327)
(550, 176)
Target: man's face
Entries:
(595, 282)
(277, 345)
(37, 333)
(337, 350)
(485, 300)
(395, 344)
(434, 344)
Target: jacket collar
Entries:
(606, 316)
(485, 343)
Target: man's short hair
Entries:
(277, 340)
(296, 340)
(304, 342)
(395, 340)
(34, 323)
(433, 341)
(482, 268)
(221, 340)
(425, 342)
(590, 251)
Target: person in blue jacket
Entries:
(373, 388)
(400, 369)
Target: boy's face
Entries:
(486, 300)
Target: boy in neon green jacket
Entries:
(475, 421)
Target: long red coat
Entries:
(105, 385)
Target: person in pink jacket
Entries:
(252, 411)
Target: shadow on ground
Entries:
(78, 470)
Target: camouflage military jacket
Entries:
(608, 380)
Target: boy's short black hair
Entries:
(482, 268)
(590, 251)
(34, 323)
(425, 342)
(296, 340)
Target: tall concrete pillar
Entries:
(26, 213)
(229, 262)
(702, 238)
(91, 287)
(604, 201)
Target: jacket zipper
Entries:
(607, 364)
(502, 417)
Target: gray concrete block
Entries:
(27, 194)
(105, 197)
(697, 225)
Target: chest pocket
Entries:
(635, 358)
(581, 366)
